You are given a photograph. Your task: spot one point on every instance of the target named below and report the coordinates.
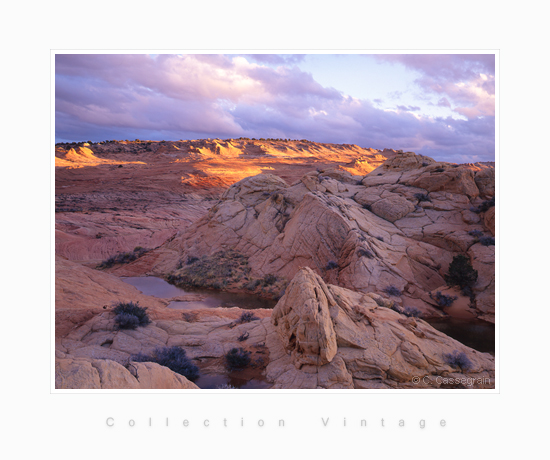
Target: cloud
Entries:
(395, 95)
(277, 59)
(466, 80)
(410, 108)
(101, 97)
(443, 102)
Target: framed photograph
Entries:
(275, 222)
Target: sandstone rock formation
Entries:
(358, 231)
(332, 337)
(400, 226)
(113, 196)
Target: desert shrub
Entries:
(126, 321)
(237, 358)
(467, 291)
(475, 233)
(252, 284)
(379, 238)
(425, 164)
(226, 267)
(247, 316)
(331, 265)
(120, 258)
(365, 253)
(443, 300)
(243, 337)
(487, 241)
(461, 273)
(484, 206)
(123, 257)
(189, 316)
(458, 359)
(139, 251)
(259, 362)
(438, 170)
(422, 197)
(269, 280)
(123, 311)
(412, 312)
(174, 358)
(393, 291)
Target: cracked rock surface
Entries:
(400, 226)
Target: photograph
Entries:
(263, 222)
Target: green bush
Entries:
(461, 273)
(237, 358)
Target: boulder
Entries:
(255, 189)
(406, 161)
(455, 180)
(392, 208)
(303, 321)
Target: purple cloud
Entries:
(443, 102)
(277, 59)
(410, 108)
(195, 96)
(468, 80)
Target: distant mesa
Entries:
(82, 156)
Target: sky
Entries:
(439, 105)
